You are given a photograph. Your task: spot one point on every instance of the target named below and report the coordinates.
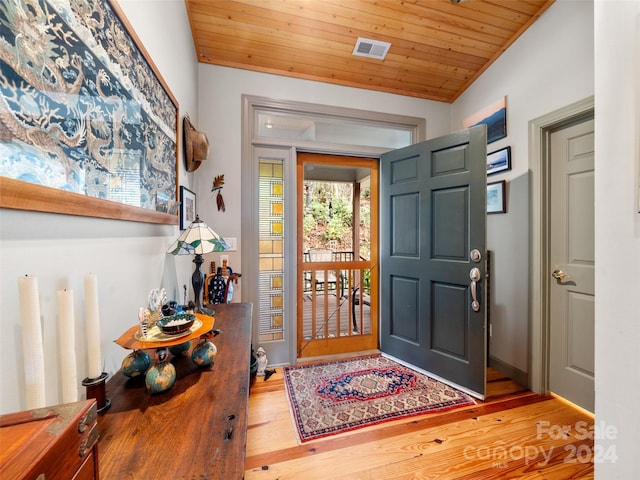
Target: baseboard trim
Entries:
(510, 371)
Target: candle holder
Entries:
(96, 388)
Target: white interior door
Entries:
(571, 258)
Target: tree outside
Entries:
(328, 217)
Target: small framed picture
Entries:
(187, 207)
(499, 161)
(496, 198)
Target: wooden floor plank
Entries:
(464, 449)
(513, 434)
(376, 433)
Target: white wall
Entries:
(128, 257)
(617, 239)
(548, 67)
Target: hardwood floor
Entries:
(513, 434)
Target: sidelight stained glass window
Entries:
(271, 250)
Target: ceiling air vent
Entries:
(371, 48)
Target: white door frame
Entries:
(539, 130)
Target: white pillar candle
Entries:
(94, 366)
(67, 345)
(32, 347)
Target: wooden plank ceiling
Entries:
(438, 47)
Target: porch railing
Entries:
(336, 296)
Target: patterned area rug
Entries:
(336, 397)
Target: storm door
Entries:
(337, 295)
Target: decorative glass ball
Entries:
(160, 377)
(182, 349)
(204, 354)
(136, 363)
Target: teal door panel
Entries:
(432, 215)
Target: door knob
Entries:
(559, 275)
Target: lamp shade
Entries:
(197, 239)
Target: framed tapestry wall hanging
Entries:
(88, 125)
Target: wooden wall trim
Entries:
(19, 195)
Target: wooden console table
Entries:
(198, 428)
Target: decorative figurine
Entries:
(162, 375)
(218, 182)
(262, 361)
(204, 353)
(142, 320)
(153, 312)
(217, 286)
(156, 298)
